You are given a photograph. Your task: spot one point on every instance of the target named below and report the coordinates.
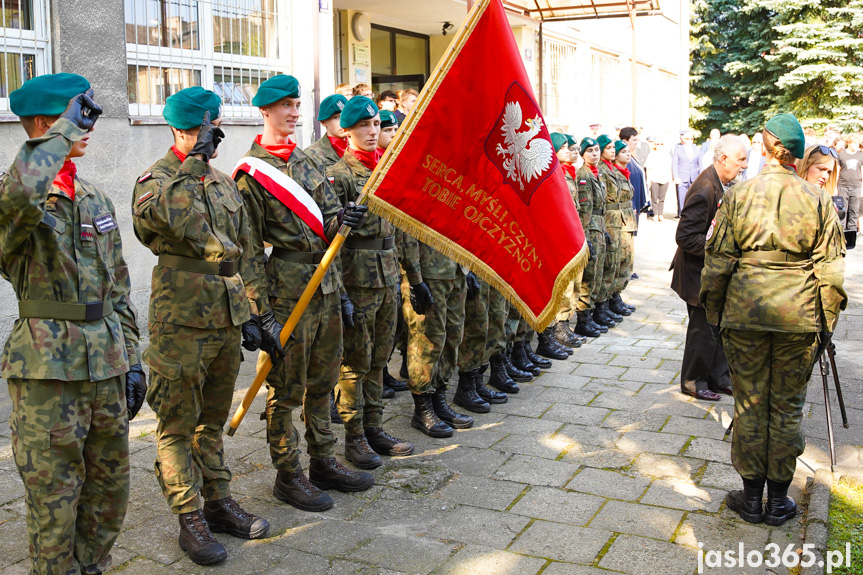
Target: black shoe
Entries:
(393, 383)
(296, 489)
(385, 444)
(634, 276)
(387, 392)
(536, 360)
(466, 396)
(426, 420)
(490, 395)
(360, 453)
(616, 305)
(328, 473)
(521, 361)
(515, 373)
(564, 335)
(226, 515)
(851, 240)
(747, 503)
(197, 540)
(600, 328)
(584, 327)
(601, 319)
(403, 370)
(499, 378)
(334, 412)
(617, 318)
(445, 412)
(548, 347)
(780, 508)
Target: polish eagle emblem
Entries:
(526, 157)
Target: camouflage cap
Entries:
(357, 109)
(47, 95)
(558, 140)
(276, 88)
(588, 143)
(331, 106)
(788, 130)
(185, 109)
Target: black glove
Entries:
(83, 111)
(607, 239)
(136, 389)
(252, 336)
(591, 250)
(421, 298)
(472, 285)
(714, 331)
(353, 215)
(208, 139)
(271, 331)
(824, 339)
(347, 311)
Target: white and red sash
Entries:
(286, 190)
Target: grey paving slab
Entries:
(340, 537)
(524, 407)
(637, 519)
(649, 362)
(607, 371)
(155, 539)
(567, 381)
(406, 554)
(718, 534)
(573, 396)
(560, 542)
(648, 375)
(547, 447)
(711, 449)
(482, 492)
(590, 456)
(482, 435)
(581, 414)
(589, 435)
(11, 487)
(467, 524)
(404, 514)
(680, 404)
(624, 421)
(622, 400)
(558, 505)
(471, 461)
(667, 466)
(683, 495)
(13, 542)
(709, 428)
(651, 442)
(720, 476)
(608, 484)
(536, 471)
(257, 556)
(475, 559)
(559, 568)
(592, 356)
(640, 556)
(532, 427)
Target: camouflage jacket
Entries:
(363, 268)
(591, 196)
(618, 190)
(271, 221)
(48, 254)
(774, 212)
(195, 211)
(422, 262)
(323, 154)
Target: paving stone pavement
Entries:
(598, 466)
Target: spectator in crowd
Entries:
(636, 175)
(756, 157)
(850, 181)
(820, 166)
(641, 151)
(388, 101)
(363, 89)
(658, 166)
(810, 136)
(747, 143)
(685, 166)
(407, 99)
(708, 147)
(345, 90)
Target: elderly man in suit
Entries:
(685, 166)
(705, 370)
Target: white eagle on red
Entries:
(526, 156)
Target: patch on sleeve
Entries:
(582, 182)
(145, 177)
(710, 229)
(331, 179)
(144, 197)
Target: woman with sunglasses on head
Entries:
(850, 182)
(820, 166)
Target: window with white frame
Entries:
(560, 85)
(24, 45)
(228, 46)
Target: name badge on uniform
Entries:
(105, 223)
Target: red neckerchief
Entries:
(368, 159)
(569, 170)
(791, 167)
(339, 145)
(593, 169)
(65, 180)
(610, 165)
(181, 156)
(623, 171)
(282, 151)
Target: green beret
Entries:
(47, 95)
(276, 88)
(571, 141)
(357, 109)
(331, 106)
(603, 142)
(588, 143)
(789, 131)
(619, 145)
(388, 119)
(558, 140)
(185, 109)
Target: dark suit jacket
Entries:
(702, 201)
(684, 168)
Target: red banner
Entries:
(472, 172)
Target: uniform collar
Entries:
(356, 166)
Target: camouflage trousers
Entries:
(70, 440)
(192, 376)
(434, 338)
(591, 278)
(305, 378)
(516, 327)
(611, 264)
(769, 373)
(401, 336)
(367, 348)
(569, 303)
(498, 311)
(471, 351)
(627, 255)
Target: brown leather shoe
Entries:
(226, 515)
(197, 540)
(360, 453)
(703, 394)
(385, 444)
(328, 473)
(295, 489)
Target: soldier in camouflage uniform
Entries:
(496, 346)
(622, 156)
(191, 216)
(370, 273)
(310, 370)
(772, 289)
(591, 209)
(613, 181)
(69, 356)
(330, 148)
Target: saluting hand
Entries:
(83, 111)
(208, 139)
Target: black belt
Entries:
(599, 212)
(775, 256)
(373, 244)
(65, 311)
(226, 269)
(297, 257)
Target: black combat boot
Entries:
(536, 360)
(630, 307)
(499, 378)
(426, 420)
(515, 373)
(851, 240)
(780, 508)
(548, 346)
(387, 392)
(592, 322)
(584, 326)
(295, 489)
(521, 361)
(334, 411)
(393, 383)
(747, 503)
(617, 318)
(197, 540)
(616, 305)
(554, 343)
(360, 453)
(328, 473)
(466, 396)
(490, 395)
(564, 335)
(403, 370)
(443, 410)
(225, 515)
(601, 318)
(385, 444)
